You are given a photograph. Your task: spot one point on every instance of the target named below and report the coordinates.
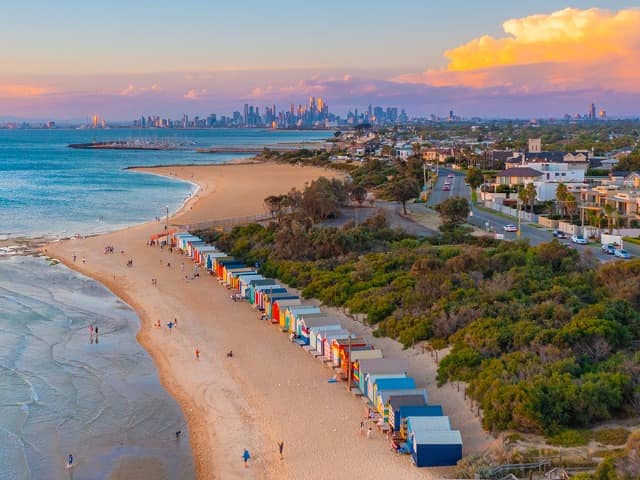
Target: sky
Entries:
(121, 59)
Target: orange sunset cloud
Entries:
(570, 48)
(21, 91)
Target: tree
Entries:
(453, 211)
(403, 190)
(277, 205)
(359, 194)
(530, 195)
(474, 178)
(561, 197)
(609, 212)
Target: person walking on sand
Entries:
(281, 448)
(70, 461)
(197, 354)
(369, 433)
(246, 457)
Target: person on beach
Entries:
(362, 427)
(281, 448)
(246, 457)
(170, 325)
(74, 258)
(369, 433)
(70, 461)
(175, 322)
(197, 354)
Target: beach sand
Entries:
(270, 390)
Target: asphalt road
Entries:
(496, 222)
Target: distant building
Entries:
(535, 145)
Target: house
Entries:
(517, 176)
(314, 336)
(279, 307)
(349, 360)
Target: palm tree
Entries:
(561, 197)
(609, 212)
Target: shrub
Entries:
(569, 438)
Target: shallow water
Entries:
(61, 393)
(49, 189)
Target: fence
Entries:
(226, 223)
(526, 216)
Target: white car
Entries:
(620, 253)
(579, 239)
(510, 228)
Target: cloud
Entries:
(22, 91)
(566, 49)
(132, 90)
(194, 94)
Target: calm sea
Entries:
(59, 392)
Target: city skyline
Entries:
(503, 61)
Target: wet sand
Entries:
(270, 390)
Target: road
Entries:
(496, 221)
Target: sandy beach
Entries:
(270, 390)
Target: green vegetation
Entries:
(634, 240)
(543, 337)
(570, 438)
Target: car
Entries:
(579, 239)
(620, 253)
(451, 175)
(446, 188)
(510, 228)
(608, 248)
(559, 234)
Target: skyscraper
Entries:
(592, 112)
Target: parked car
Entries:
(559, 234)
(451, 175)
(510, 228)
(446, 188)
(609, 248)
(620, 253)
(579, 239)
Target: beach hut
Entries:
(370, 380)
(398, 415)
(347, 362)
(373, 366)
(432, 443)
(183, 240)
(260, 290)
(236, 276)
(253, 284)
(314, 333)
(292, 312)
(329, 338)
(192, 245)
(324, 337)
(201, 253)
(279, 306)
(230, 262)
(381, 384)
(270, 300)
(308, 322)
(246, 282)
(210, 259)
(412, 396)
(339, 345)
(297, 328)
(217, 263)
(172, 239)
(228, 271)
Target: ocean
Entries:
(61, 391)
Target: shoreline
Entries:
(250, 401)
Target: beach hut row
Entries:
(418, 428)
